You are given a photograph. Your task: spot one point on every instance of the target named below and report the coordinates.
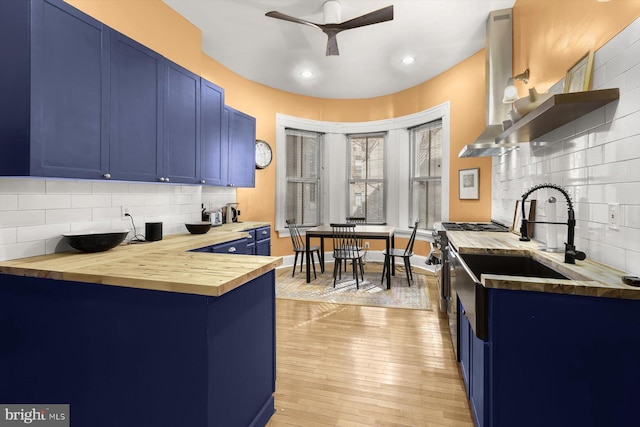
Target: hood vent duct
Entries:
(499, 45)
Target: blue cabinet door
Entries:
(236, 247)
(69, 92)
(137, 77)
(465, 346)
(213, 157)
(181, 125)
(241, 135)
(479, 371)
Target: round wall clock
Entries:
(263, 154)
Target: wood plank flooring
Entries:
(356, 366)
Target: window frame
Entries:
(334, 173)
(413, 178)
(302, 180)
(382, 180)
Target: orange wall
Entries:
(549, 36)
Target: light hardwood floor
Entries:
(342, 365)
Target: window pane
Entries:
(358, 158)
(367, 200)
(428, 202)
(429, 152)
(366, 177)
(376, 157)
(302, 155)
(302, 203)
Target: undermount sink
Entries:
(509, 265)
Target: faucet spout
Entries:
(570, 252)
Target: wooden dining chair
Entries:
(358, 220)
(345, 248)
(406, 254)
(300, 248)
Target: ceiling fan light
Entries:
(408, 60)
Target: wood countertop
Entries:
(587, 277)
(165, 265)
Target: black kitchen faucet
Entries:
(570, 252)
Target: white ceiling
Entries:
(438, 33)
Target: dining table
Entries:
(362, 231)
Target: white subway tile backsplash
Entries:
(595, 158)
(61, 216)
(68, 186)
(22, 186)
(632, 262)
(8, 202)
(39, 232)
(43, 201)
(97, 226)
(8, 235)
(21, 218)
(109, 187)
(90, 200)
(106, 213)
(22, 250)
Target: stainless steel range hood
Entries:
(499, 45)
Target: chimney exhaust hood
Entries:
(499, 45)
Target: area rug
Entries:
(370, 293)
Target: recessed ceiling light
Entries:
(306, 74)
(408, 60)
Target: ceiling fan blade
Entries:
(278, 15)
(332, 42)
(381, 15)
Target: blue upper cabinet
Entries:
(240, 131)
(80, 100)
(181, 125)
(55, 97)
(213, 157)
(136, 136)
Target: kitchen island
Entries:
(144, 334)
(546, 351)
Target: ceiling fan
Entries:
(332, 26)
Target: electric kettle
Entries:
(231, 213)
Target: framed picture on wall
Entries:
(578, 78)
(469, 184)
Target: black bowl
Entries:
(198, 227)
(96, 242)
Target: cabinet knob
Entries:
(230, 185)
(232, 249)
(162, 179)
(166, 180)
(107, 176)
(264, 232)
(202, 182)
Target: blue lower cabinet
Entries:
(553, 360)
(263, 241)
(236, 247)
(154, 358)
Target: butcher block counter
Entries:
(588, 277)
(146, 334)
(165, 265)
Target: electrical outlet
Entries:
(366, 245)
(614, 216)
(124, 211)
